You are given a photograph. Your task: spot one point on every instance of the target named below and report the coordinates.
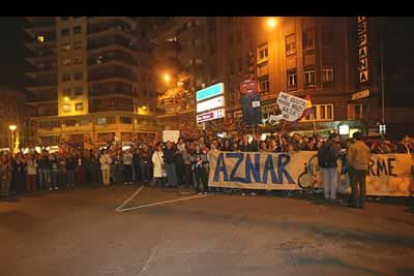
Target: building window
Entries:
(101, 121)
(79, 107)
(66, 77)
(65, 46)
(309, 76)
(66, 92)
(78, 91)
(291, 44)
(125, 120)
(66, 108)
(77, 29)
(78, 76)
(356, 111)
(264, 84)
(292, 79)
(66, 62)
(65, 31)
(327, 76)
(77, 45)
(78, 60)
(240, 64)
(262, 53)
(308, 38)
(40, 38)
(321, 112)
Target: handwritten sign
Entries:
(292, 107)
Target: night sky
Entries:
(12, 52)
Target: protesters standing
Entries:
(188, 174)
(169, 159)
(70, 170)
(62, 170)
(403, 145)
(105, 161)
(80, 168)
(137, 169)
(358, 159)
(179, 162)
(31, 173)
(128, 167)
(5, 175)
(159, 166)
(199, 160)
(54, 172)
(145, 164)
(327, 157)
(44, 171)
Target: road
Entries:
(78, 232)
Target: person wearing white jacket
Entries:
(105, 161)
(159, 166)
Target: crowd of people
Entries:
(181, 164)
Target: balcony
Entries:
(40, 73)
(49, 43)
(41, 20)
(110, 74)
(110, 104)
(102, 31)
(111, 59)
(111, 43)
(42, 84)
(101, 19)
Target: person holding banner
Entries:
(358, 159)
(327, 157)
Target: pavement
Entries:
(83, 231)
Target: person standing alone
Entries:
(358, 159)
(327, 157)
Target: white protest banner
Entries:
(387, 175)
(170, 135)
(292, 107)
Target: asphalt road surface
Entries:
(79, 233)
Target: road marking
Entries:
(160, 203)
(119, 208)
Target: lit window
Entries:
(79, 107)
(262, 53)
(327, 74)
(309, 76)
(78, 60)
(291, 44)
(40, 38)
(66, 62)
(78, 76)
(65, 31)
(66, 77)
(264, 84)
(356, 111)
(77, 45)
(292, 80)
(101, 121)
(321, 112)
(78, 91)
(66, 108)
(77, 29)
(65, 46)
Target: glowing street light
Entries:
(12, 127)
(12, 130)
(66, 99)
(271, 23)
(167, 78)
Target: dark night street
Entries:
(79, 232)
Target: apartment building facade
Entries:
(91, 80)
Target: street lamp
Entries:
(167, 78)
(12, 130)
(66, 99)
(271, 23)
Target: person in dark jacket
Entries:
(71, 170)
(327, 157)
(179, 162)
(199, 161)
(137, 168)
(145, 164)
(44, 171)
(169, 160)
